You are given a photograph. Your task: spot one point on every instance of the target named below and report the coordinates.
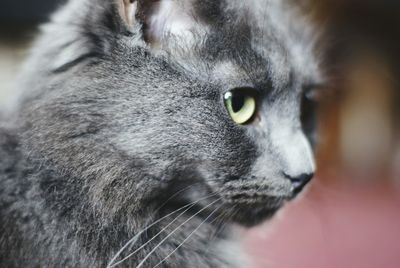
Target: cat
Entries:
(145, 132)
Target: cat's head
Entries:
(207, 95)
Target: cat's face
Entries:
(230, 116)
(209, 97)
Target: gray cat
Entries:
(144, 131)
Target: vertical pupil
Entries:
(237, 102)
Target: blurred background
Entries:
(350, 216)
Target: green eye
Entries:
(241, 104)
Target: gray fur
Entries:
(109, 126)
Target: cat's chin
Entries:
(253, 214)
(240, 208)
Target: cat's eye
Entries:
(241, 104)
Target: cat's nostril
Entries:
(301, 181)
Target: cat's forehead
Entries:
(251, 40)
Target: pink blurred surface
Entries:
(332, 227)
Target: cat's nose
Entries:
(299, 182)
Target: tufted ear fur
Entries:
(127, 11)
(161, 19)
(90, 28)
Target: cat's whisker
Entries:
(136, 237)
(220, 221)
(173, 231)
(176, 194)
(224, 219)
(188, 237)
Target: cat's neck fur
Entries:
(77, 235)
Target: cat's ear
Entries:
(161, 19)
(127, 11)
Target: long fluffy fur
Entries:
(110, 126)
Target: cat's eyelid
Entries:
(249, 89)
